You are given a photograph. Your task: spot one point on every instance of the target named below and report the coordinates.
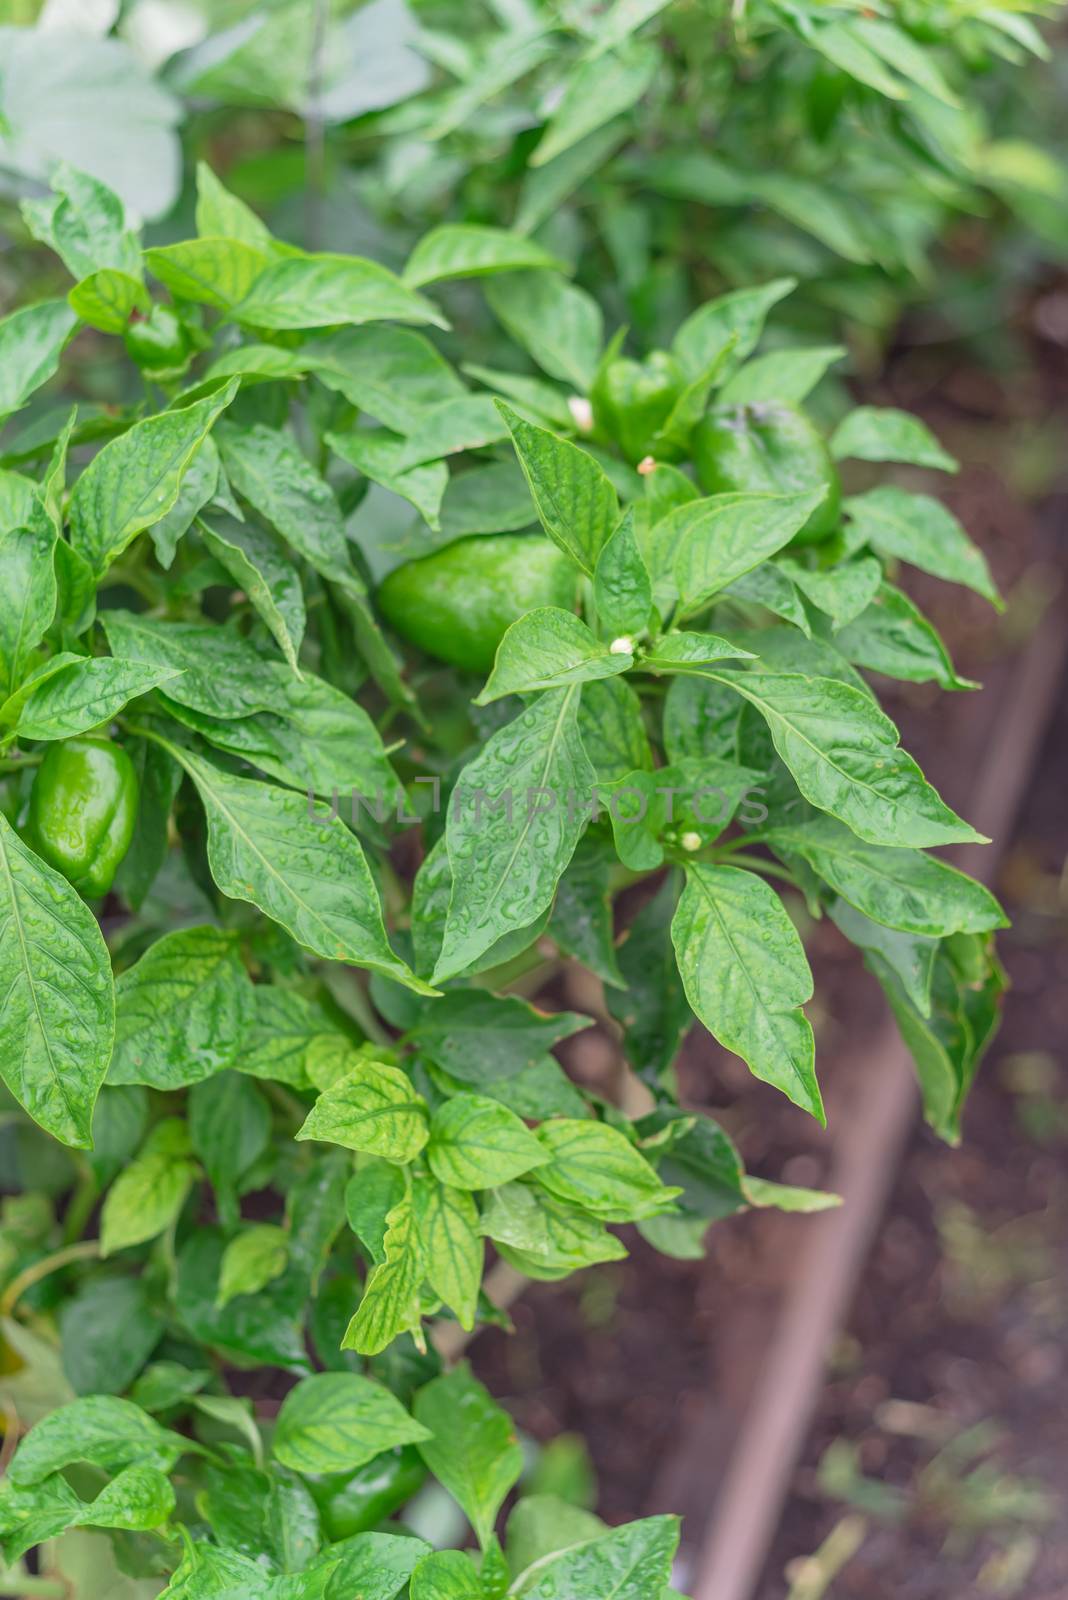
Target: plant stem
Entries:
(84, 1250)
(43, 1588)
(758, 864)
(81, 1205)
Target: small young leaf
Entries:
(575, 501)
(476, 1143)
(597, 1168)
(471, 1446)
(338, 1421)
(549, 649)
(467, 250)
(374, 1108)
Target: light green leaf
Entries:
(27, 596)
(628, 1563)
(921, 531)
(477, 1143)
(845, 758)
(446, 1575)
(253, 1259)
(908, 957)
(598, 90)
(452, 1246)
(183, 1010)
(815, 208)
(106, 299)
(894, 637)
(700, 548)
(136, 1498)
(741, 313)
(746, 976)
(900, 888)
(467, 250)
(301, 868)
(549, 649)
(136, 479)
(843, 46)
(622, 591)
(57, 1022)
(102, 1430)
(379, 456)
(390, 1304)
(149, 1193)
(338, 1421)
(575, 501)
(621, 20)
(215, 272)
(84, 222)
(220, 214)
(373, 1108)
(783, 377)
(260, 566)
(85, 692)
(392, 373)
(467, 423)
(544, 1236)
(688, 652)
(321, 291)
(472, 1449)
(558, 324)
(843, 592)
(511, 838)
(31, 343)
(904, 54)
(879, 433)
(597, 1168)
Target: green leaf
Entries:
(543, 1236)
(220, 214)
(612, 730)
(558, 324)
(320, 291)
(230, 1128)
(374, 1566)
(893, 636)
(27, 597)
(338, 1421)
(688, 652)
(597, 1168)
(392, 373)
(908, 957)
(148, 1195)
(514, 827)
(543, 1525)
(921, 531)
(900, 888)
(741, 313)
(582, 922)
(746, 976)
(948, 1046)
(390, 1304)
(622, 592)
(136, 479)
(109, 1328)
(211, 271)
(84, 692)
(84, 222)
(373, 1108)
(58, 1018)
(700, 548)
(629, 1563)
(477, 1036)
(878, 433)
(448, 1230)
(252, 1260)
(902, 52)
(467, 250)
(477, 1143)
(301, 868)
(108, 298)
(182, 1012)
(137, 1498)
(549, 649)
(845, 48)
(472, 1449)
(845, 758)
(446, 1575)
(843, 592)
(31, 343)
(467, 423)
(99, 1429)
(575, 501)
(378, 455)
(782, 377)
(259, 565)
(597, 91)
(490, 499)
(273, 475)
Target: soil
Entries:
(962, 1309)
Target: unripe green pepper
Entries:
(632, 400)
(768, 448)
(83, 806)
(158, 342)
(458, 602)
(356, 1502)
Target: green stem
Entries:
(84, 1250)
(81, 1205)
(43, 1588)
(758, 864)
